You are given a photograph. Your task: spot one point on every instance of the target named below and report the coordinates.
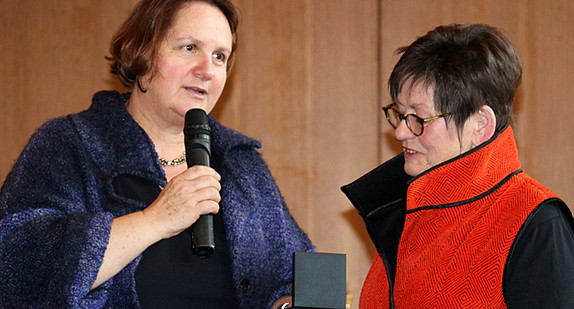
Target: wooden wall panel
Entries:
(545, 109)
(309, 82)
(51, 62)
(305, 85)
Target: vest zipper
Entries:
(390, 279)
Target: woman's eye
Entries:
(220, 57)
(189, 47)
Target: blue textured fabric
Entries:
(58, 202)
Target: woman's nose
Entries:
(402, 132)
(204, 68)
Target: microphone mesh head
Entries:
(196, 122)
(195, 116)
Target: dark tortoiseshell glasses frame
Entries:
(415, 123)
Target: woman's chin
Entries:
(413, 169)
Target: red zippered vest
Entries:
(462, 218)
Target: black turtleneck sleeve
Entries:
(540, 268)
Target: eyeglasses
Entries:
(415, 123)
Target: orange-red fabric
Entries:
(458, 232)
(375, 292)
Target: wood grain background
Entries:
(309, 82)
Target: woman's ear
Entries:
(485, 125)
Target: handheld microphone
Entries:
(198, 152)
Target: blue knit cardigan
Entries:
(58, 202)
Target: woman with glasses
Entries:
(456, 222)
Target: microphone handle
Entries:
(202, 236)
(202, 239)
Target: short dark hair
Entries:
(467, 66)
(135, 44)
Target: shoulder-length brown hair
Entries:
(135, 44)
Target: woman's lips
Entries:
(197, 90)
(408, 151)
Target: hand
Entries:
(188, 195)
(283, 302)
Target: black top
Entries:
(540, 272)
(169, 275)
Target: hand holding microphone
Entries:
(190, 195)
